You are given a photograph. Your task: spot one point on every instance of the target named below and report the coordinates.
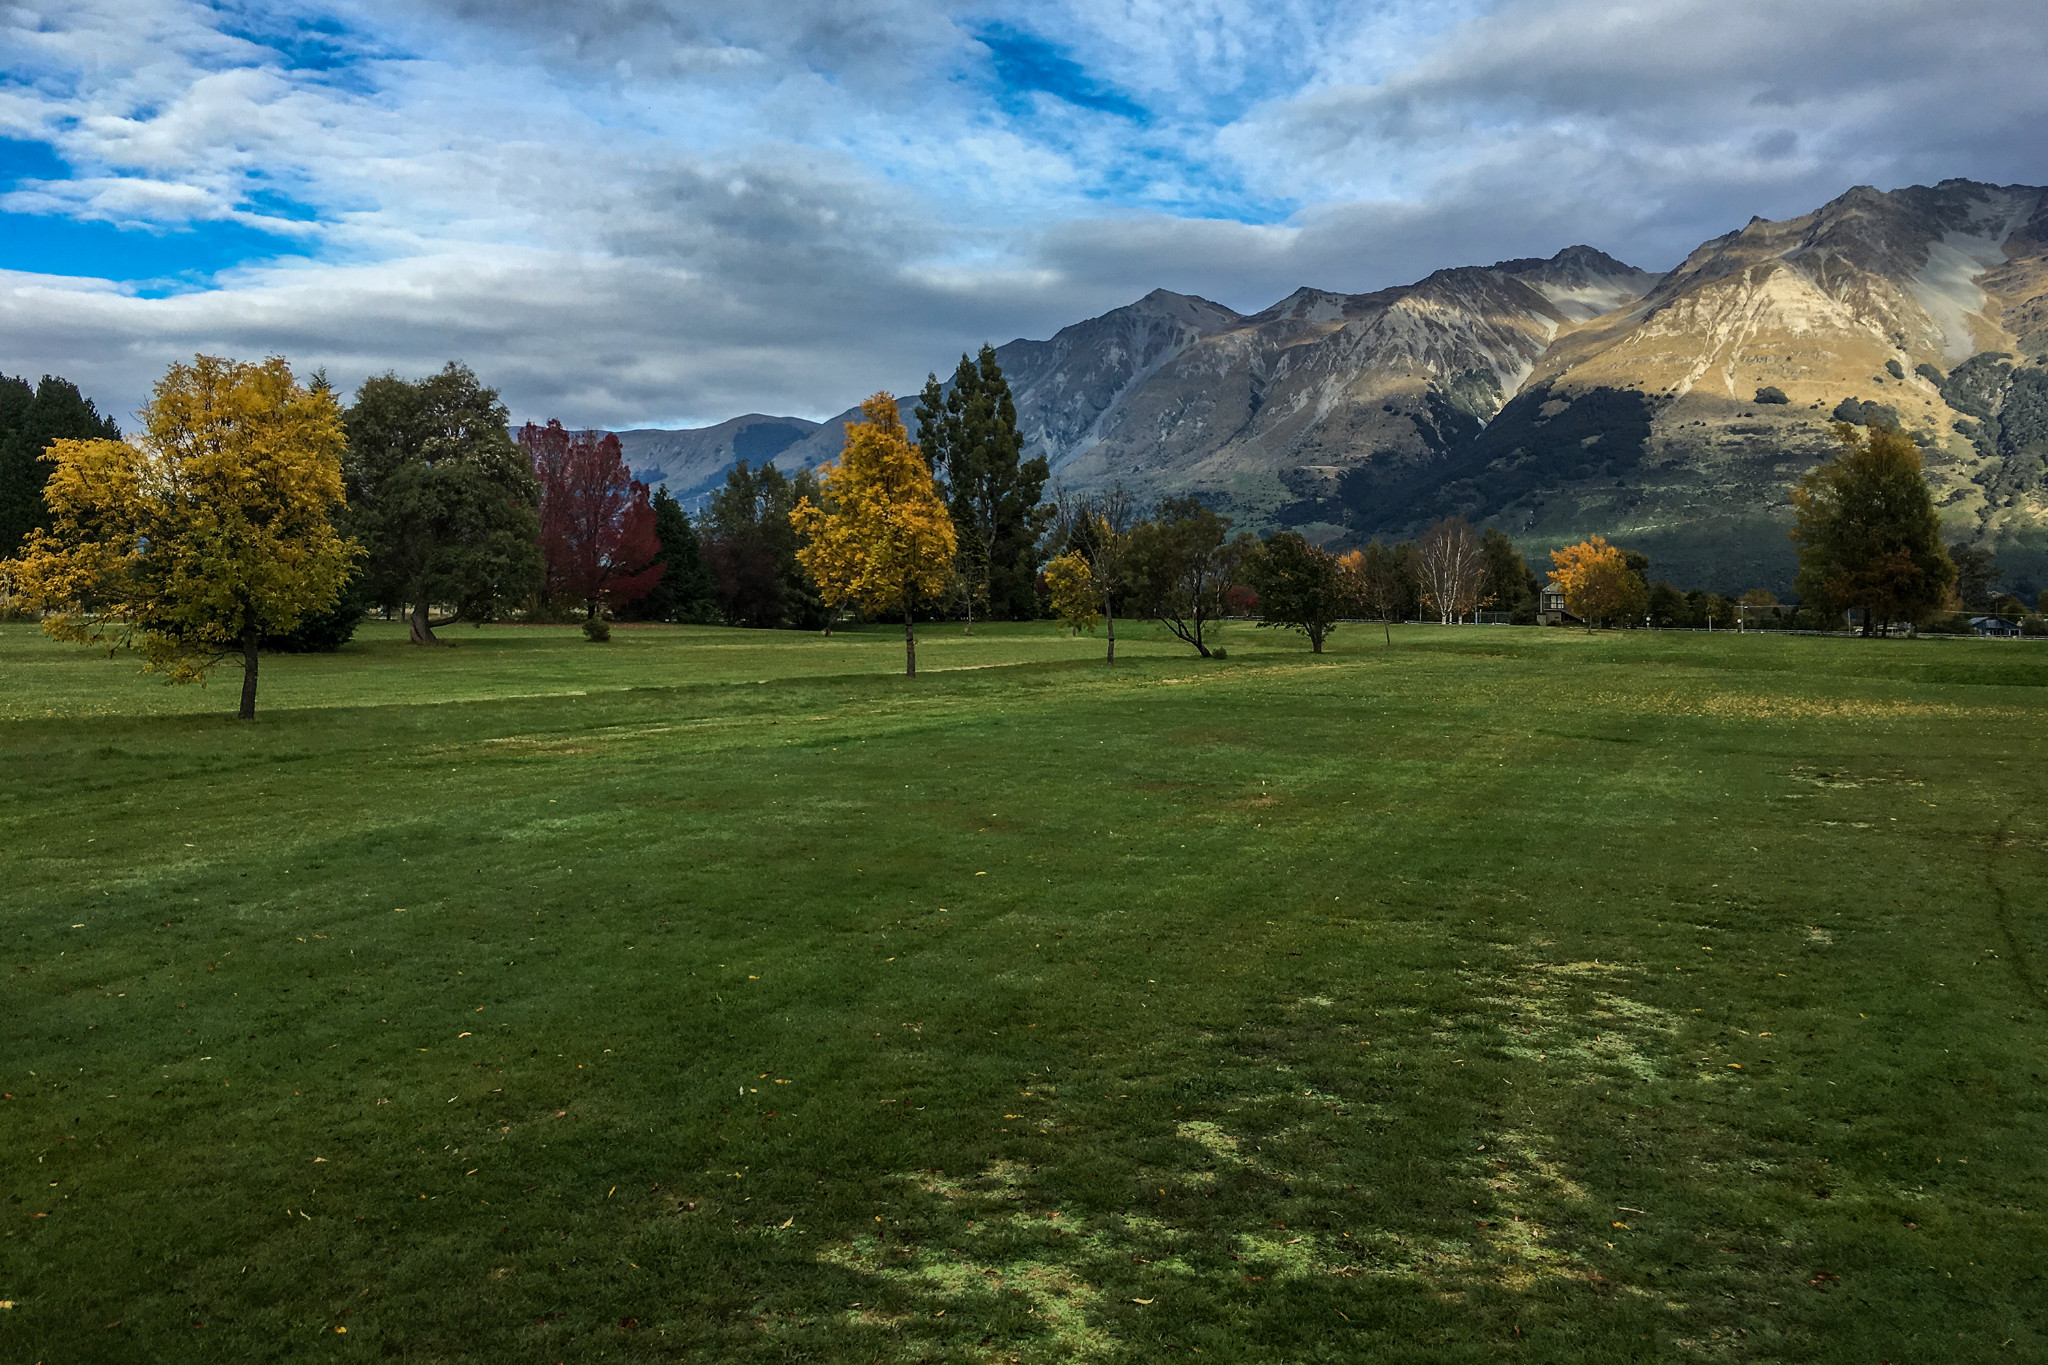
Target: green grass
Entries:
(724, 996)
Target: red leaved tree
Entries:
(596, 523)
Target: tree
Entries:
(596, 522)
(1384, 582)
(1075, 597)
(1976, 575)
(1668, 606)
(30, 419)
(750, 548)
(684, 590)
(1453, 564)
(1868, 537)
(1098, 529)
(882, 539)
(969, 436)
(441, 498)
(1301, 587)
(212, 529)
(1507, 583)
(1183, 566)
(1599, 586)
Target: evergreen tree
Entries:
(1508, 585)
(684, 592)
(30, 419)
(750, 550)
(968, 435)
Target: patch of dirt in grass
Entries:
(1839, 781)
(1050, 1260)
(1600, 1033)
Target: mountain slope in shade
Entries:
(1644, 425)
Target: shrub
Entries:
(597, 630)
(1858, 413)
(1771, 393)
(1894, 369)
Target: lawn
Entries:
(725, 996)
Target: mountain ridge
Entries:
(1562, 395)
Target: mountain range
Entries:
(1671, 412)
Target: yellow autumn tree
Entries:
(882, 541)
(208, 530)
(1599, 587)
(1076, 599)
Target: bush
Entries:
(1894, 369)
(1858, 413)
(1771, 393)
(597, 630)
(327, 631)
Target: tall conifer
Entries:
(968, 433)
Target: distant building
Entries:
(1550, 608)
(1997, 627)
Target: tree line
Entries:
(254, 511)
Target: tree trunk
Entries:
(249, 639)
(422, 628)
(909, 645)
(1109, 616)
(1389, 631)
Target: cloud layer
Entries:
(627, 212)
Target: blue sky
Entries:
(668, 211)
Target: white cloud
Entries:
(626, 211)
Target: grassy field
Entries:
(725, 996)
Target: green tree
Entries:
(1300, 586)
(442, 499)
(211, 530)
(1182, 564)
(750, 546)
(968, 433)
(684, 592)
(1869, 540)
(1976, 575)
(1508, 584)
(1668, 606)
(30, 420)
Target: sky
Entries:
(666, 213)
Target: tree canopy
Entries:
(210, 530)
(882, 539)
(443, 501)
(684, 590)
(968, 433)
(1599, 585)
(1301, 587)
(1182, 565)
(1868, 536)
(30, 420)
(1453, 565)
(596, 520)
(750, 545)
